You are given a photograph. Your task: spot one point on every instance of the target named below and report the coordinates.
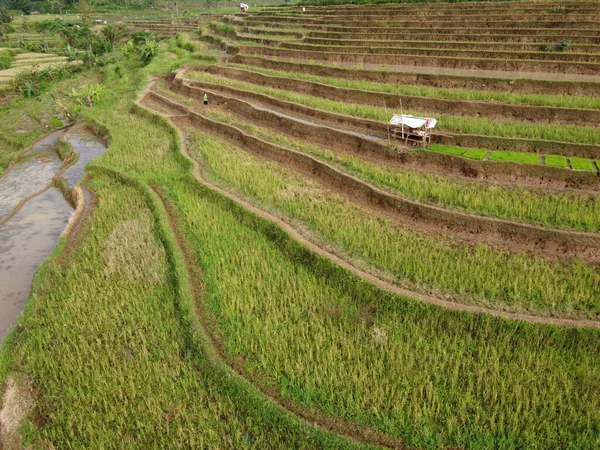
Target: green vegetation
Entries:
(519, 157)
(348, 334)
(450, 149)
(581, 163)
(565, 101)
(475, 153)
(133, 365)
(413, 259)
(481, 126)
(25, 120)
(548, 209)
(555, 161)
(6, 59)
(135, 332)
(225, 29)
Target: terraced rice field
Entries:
(275, 270)
(27, 61)
(166, 27)
(498, 214)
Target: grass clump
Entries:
(518, 157)
(581, 164)
(450, 149)
(555, 161)
(475, 153)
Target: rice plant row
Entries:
(467, 125)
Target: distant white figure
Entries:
(243, 7)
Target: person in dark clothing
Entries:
(205, 98)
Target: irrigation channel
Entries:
(34, 214)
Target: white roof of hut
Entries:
(412, 121)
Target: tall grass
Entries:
(544, 208)
(117, 359)
(106, 347)
(109, 338)
(467, 125)
(469, 274)
(564, 101)
(436, 378)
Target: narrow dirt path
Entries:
(297, 235)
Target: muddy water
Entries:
(32, 173)
(30, 235)
(25, 241)
(88, 146)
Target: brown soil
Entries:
(564, 7)
(455, 45)
(417, 49)
(589, 29)
(425, 105)
(391, 17)
(496, 81)
(295, 234)
(582, 22)
(490, 37)
(560, 67)
(379, 128)
(437, 221)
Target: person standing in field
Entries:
(205, 98)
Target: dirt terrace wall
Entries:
(443, 81)
(292, 34)
(503, 233)
(528, 47)
(399, 35)
(492, 110)
(381, 128)
(426, 61)
(337, 140)
(586, 22)
(440, 8)
(194, 89)
(451, 8)
(446, 16)
(416, 49)
(412, 27)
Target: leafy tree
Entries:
(85, 10)
(4, 16)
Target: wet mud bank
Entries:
(37, 213)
